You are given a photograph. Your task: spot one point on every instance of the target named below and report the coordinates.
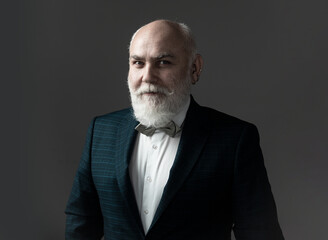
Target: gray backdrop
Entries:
(64, 62)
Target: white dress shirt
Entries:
(150, 167)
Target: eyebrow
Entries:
(159, 57)
(136, 57)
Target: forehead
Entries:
(156, 39)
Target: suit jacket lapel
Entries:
(125, 144)
(193, 138)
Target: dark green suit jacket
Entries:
(217, 183)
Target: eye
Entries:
(138, 63)
(164, 62)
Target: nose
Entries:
(149, 74)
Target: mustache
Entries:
(151, 88)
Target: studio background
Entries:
(64, 62)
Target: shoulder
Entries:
(220, 119)
(230, 128)
(215, 121)
(224, 118)
(111, 121)
(208, 115)
(114, 117)
(106, 127)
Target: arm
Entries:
(254, 209)
(83, 214)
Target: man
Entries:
(169, 168)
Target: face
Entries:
(160, 72)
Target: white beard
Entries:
(158, 110)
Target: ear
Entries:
(197, 66)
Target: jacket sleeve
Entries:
(83, 214)
(254, 209)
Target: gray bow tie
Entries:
(170, 129)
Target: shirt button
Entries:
(149, 179)
(154, 147)
(146, 211)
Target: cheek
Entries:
(173, 80)
(170, 78)
(133, 80)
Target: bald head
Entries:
(169, 30)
